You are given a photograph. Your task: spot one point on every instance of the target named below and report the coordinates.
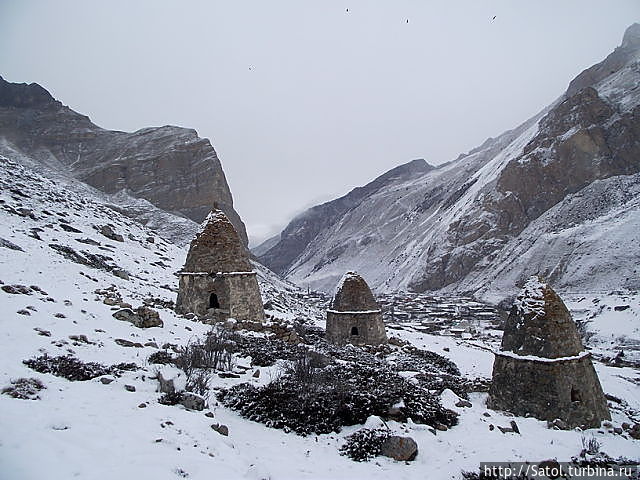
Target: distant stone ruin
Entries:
(542, 369)
(354, 316)
(217, 281)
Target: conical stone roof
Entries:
(353, 295)
(217, 248)
(540, 324)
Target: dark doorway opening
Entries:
(213, 301)
(575, 395)
(354, 330)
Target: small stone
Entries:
(209, 414)
(446, 349)
(486, 414)
(44, 333)
(127, 343)
(228, 375)
(399, 448)
(24, 312)
(617, 430)
(221, 429)
(142, 405)
(106, 380)
(151, 344)
(463, 403)
(441, 427)
(491, 427)
(256, 374)
(514, 426)
(130, 388)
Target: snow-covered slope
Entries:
(460, 225)
(50, 303)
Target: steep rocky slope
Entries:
(171, 167)
(287, 246)
(451, 227)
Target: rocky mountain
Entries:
(284, 248)
(170, 167)
(499, 211)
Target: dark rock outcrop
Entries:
(169, 166)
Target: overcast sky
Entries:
(304, 100)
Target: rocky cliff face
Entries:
(171, 167)
(455, 226)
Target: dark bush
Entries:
(338, 395)
(73, 369)
(364, 444)
(265, 352)
(170, 398)
(24, 388)
(161, 357)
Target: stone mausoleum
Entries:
(542, 369)
(217, 282)
(355, 316)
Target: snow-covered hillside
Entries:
(537, 199)
(62, 276)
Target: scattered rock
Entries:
(228, 375)
(256, 374)
(192, 401)
(106, 380)
(24, 312)
(81, 339)
(127, 343)
(17, 289)
(68, 228)
(44, 333)
(399, 448)
(143, 317)
(621, 308)
(24, 388)
(209, 414)
(165, 386)
(221, 429)
(12, 246)
(108, 231)
(557, 424)
(130, 388)
(142, 405)
(463, 403)
(151, 344)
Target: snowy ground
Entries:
(90, 430)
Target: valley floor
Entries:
(91, 430)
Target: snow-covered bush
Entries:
(340, 394)
(24, 388)
(364, 444)
(74, 369)
(264, 352)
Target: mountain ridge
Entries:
(435, 230)
(169, 166)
